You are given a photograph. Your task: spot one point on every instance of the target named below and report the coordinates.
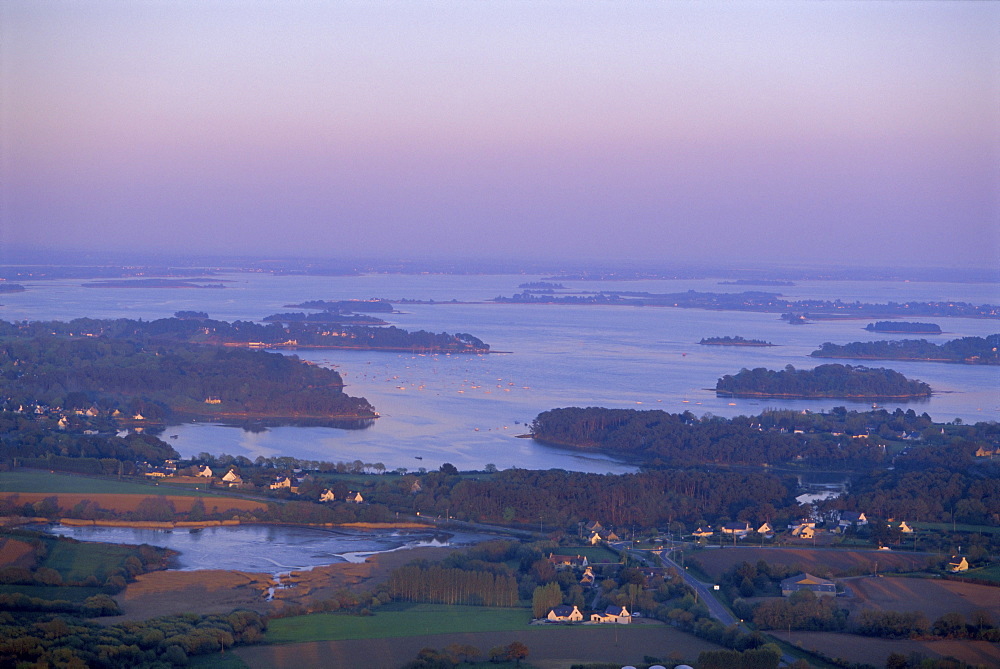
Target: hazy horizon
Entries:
(694, 133)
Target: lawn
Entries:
(991, 573)
(397, 620)
(592, 553)
(76, 561)
(958, 527)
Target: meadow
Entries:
(397, 620)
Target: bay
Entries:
(469, 409)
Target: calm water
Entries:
(268, 548)
(467, 410)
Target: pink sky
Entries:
(848, 132)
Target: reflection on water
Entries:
(468, 409)
(272, 549)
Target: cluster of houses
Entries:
(802, 528)
(232, 479)
(571, 614)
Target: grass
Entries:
(958, 527)
(592, 553)
(76, 561)
(42, 482)
(396, 621)
(227, 660)
(991, 573)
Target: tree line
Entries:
(968, 350)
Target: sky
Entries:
(748, 132)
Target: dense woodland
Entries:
(659, 438)
(904, 326)
(833, 380)
(158, 379)
(968, 350)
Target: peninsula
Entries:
(138, 381)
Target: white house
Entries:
(205, 471)
(565, 614)
(354, 497)
(233, 479)
(612, 614)
(327, 496)
(281, 482)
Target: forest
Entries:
(162, 379)
(966, 350)
(832, 380)
(841, 439)
(904, 326)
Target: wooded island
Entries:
(833, 380)
(967, 350)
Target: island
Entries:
(733, 341)
(966, 350)
(377, 305)
(756, 282)
(832, 380)
(760, 301)
(255, 335)
(543, 285)
(152, 283)
(903, 327)
(11, 287)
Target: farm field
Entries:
(821, 562)
(874, 651)
(398, 620)
(39, 481)
(934, 597)
(549, 647)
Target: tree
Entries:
(448, 468)
(516, 651)
(545, 598)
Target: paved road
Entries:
(715, 608)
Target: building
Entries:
(565, 614)
(957, 564)
(804, 581)
(612, 614)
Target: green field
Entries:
(959, 527)
(38, 481)
(397, 620)
(991, 573)
(592, 553)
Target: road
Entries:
(715, 608)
